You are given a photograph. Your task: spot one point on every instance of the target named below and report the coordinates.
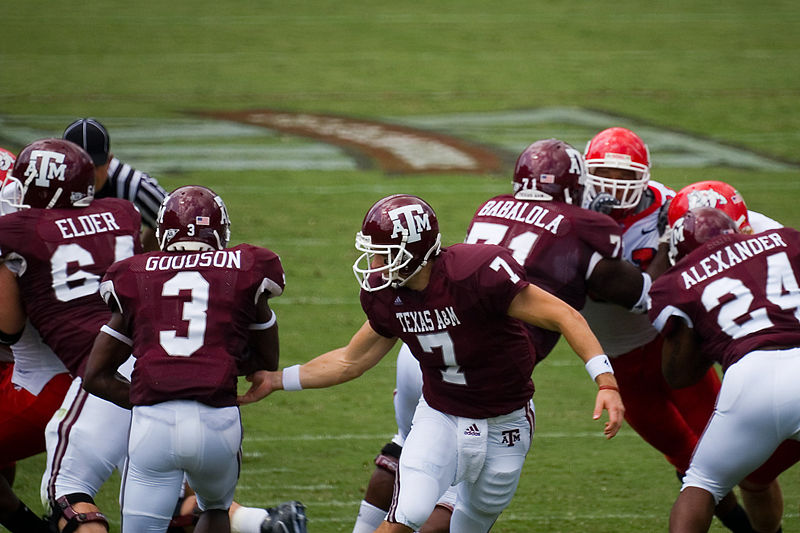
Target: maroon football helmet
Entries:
(550, 170)
(54, 173)
(403, 229)
(697, 226)
(192, 218)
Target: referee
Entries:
(113, 178)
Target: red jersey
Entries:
(189, 314)
(476, 361)
(737, 292)
(63, 254)
(557, 244)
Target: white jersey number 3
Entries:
(194, 312)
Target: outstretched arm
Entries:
(363, 352)
(540, 308)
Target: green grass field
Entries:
(685, 74)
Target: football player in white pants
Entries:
(459, 310)
(406, 397)
(736, 313)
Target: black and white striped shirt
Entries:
(144, 191)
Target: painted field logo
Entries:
(398, 149)
(475, 143)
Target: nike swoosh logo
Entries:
(646, 231)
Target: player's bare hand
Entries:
(261, 387)
(609, 400)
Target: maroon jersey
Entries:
(556, 243)
(737, 292)
(476, 361)
(189, 314)
(62, 255)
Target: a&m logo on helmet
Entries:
(415, 218)
(45, 166)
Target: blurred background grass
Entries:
(725, 72)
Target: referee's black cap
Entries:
(92, 136)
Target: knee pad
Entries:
(74, 518)
(389, 457)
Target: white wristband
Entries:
(599, 364)
(291, 378)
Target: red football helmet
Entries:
(10, 191)
(402, 228)
(617, 148)
(550, 170)
(54, 173)
(710, 194)
(192, 218)
(696, 227)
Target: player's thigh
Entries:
(148, 497)
(432, 443)
(742, 432)
(87, 438)
(21, 426)
(408, 390)
(427, 465)
(508, 445)
(214, 470)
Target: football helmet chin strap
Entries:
(432, 252)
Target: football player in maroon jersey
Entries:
(760, 490)
(63, 241)
(33, 382)
(196, 315)
(459, 309)
(732, 299)
(565, 249)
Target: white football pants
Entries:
(168, 440)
